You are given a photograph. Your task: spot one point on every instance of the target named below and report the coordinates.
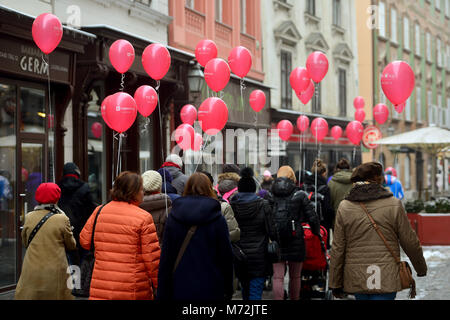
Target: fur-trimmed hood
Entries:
(366, 191)
(227, 181)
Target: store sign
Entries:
(26, 59)
(370, 136)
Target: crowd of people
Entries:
(168, 236)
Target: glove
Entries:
(338, 293)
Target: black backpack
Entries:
(320, 194)
(285, 224)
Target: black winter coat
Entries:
(328, 211)
(251, 213)
(205, 271)
(76, 202)
(301, 210)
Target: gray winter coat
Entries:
(178, 179)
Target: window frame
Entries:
(337, 13)
(342, 92)
(285, 69)
(382, 18)
(394, 25)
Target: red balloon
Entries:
(355, 132)
(188, 114)
(336, 132)
(360, 115)
(184, 136)
(212, 115)
(240, 61)
(217, 74)
(299, 79)
(96, 129)
(198, 141)
(307, 95)
(397, 82)
(257, 100)
(47, 32)
(103, 110)
(205, 51)
(146, 100)
(121, 55)
(317, 65)
(121, 111)
(302, 123)
(285, 129)
(399, 108)
(156, 61)
(380, 113)
(359, 103)
(319, 128)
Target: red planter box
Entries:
(432, 229)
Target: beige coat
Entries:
(359, 257)
(44, 272)
(233, 227)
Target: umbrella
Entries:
(430, 139)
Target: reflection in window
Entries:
(145, 143)
(32, 106)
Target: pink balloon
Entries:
(156, 61)
(302, 123)
(299, 79)
(355, 132)
(103, 110)
(184, 136)
(399, 108)
(146, 100)
(360, 115)
(205, 51)
(47, 32)
(285, 129)
(317, 65)
(380, 113)
(359, 103)
(257, 100)
(217, 74)
(121, 111)
(307, 95)
(212, 115)
(188, 114)
(397, 82)
(240, 61)
(198, 141)
(96, 129)
(336, 132)
(121, 55)
(319, 128)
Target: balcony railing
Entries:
(223, 33)
(195, 21)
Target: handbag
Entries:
(87, 266)
(273, 248)
(184, 245)
(405, 273)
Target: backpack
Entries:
(320, 194)
(285, 223)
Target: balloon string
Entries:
(201, 152)
(122, 82)
(354, 155)
(50, 120)
(315, 179)
(242, 87)
(158, 84)
(119, 150)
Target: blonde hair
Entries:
(319, 166)
(287, 172)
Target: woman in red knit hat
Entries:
(44, 272)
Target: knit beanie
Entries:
(152, 181)
(174, 158)
(287, 172)
(164, 172)
(47, 193)
(71, 168)
(247, 182)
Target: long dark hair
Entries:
(199, 185)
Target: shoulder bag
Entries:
(405, 273)
(52, 212)
(87, 266)
(186, 241)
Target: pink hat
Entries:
(267, 173)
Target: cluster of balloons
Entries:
(359, 104)
(302, 79)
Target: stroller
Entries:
(315, 267)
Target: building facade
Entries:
(417, 32)
(291, 31)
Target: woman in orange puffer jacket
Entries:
(126, 245)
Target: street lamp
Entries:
(195, 78)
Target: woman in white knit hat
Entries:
(156, 203)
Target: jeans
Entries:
(384, 296)
(253, 289)
(295, 272)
